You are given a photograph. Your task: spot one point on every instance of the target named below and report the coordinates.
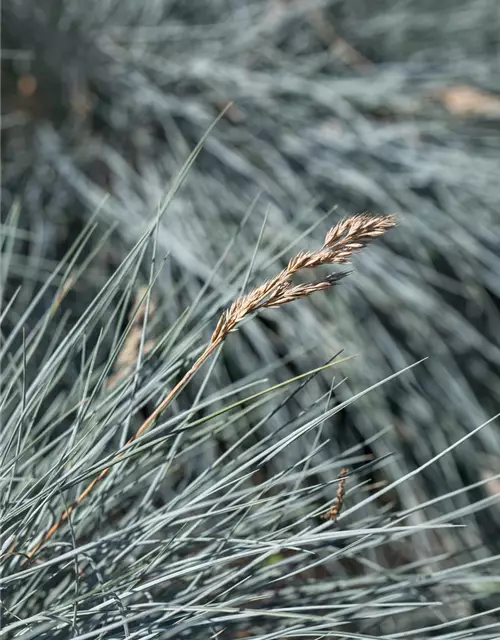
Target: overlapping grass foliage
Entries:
(191, 529)
(337, 104)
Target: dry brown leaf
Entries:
(130, 351)
(492, 484)
(465, 100)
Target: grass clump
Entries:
(339, 103)
(175, 521)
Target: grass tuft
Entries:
(160, 160)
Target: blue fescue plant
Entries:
(210, 523)
(176, 521)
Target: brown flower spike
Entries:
(341, 242)
(334, 510)
(344, 239)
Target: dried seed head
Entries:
(354, 233)
(341, 242)
(334, 510)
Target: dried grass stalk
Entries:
(334, 510)
(130, 351)
(344, 239)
